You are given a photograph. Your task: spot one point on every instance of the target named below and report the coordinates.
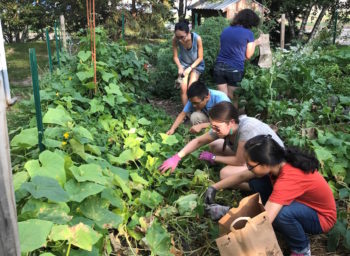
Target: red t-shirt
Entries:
(309, 189)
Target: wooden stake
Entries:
(283, 28)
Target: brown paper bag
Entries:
(265, 60)
(247, 231)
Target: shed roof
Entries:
(218, 5)
(208, 5)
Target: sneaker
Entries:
(305, 252)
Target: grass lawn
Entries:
(17, 58)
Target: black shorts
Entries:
(224, 74)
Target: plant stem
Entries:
(68, 250)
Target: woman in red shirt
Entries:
(301, 200)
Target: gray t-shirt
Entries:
(248, 128)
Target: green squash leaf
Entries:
(186, 204)
(150, 199)
(57, 116)
(19, 178)
(122, 184)
(89, 172)
(46, 187)
(138, 179)
(168, 139)
(92, 209)
(26, 139)
(112, 196)
(78, 191)
(144, 121)
(55, 212)
(84, 55)
(158, 240)
(52, 165)
(30, 242)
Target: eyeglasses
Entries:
(180, 38)
(251, 167)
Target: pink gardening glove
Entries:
(171, 162)
(207, 156)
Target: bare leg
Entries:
(184, 90)
(230, 170)
(194, 76)
(231, 90)
(223, 88)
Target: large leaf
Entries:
(57, 116)
(123, 185)
(96, 106)
(168, 139)
(52, 165)
(83, 75)
(78, 191)
(79, 235)
(138, 179)
(144, 121)
(26, 139)
(78, 148)
(30, 242)
(186, 204)
(89, 172)
(158, 240)
(84, 55)
(112, 196)
(55, 212)
(19, 178)
(46, 187)
(92, 209)
(150, 199)
(82, 135)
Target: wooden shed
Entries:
(226, 8)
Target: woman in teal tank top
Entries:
(188, 57)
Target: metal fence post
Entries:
(35, 79)
(49, 49)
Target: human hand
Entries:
(180, 71)
(207, 156)
(171, 162)
(257, 41)
(170, 132)
(216, 211)
(196, 128)
(209, 197)
(187, 71)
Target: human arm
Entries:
(250, 50)
(177, 122)
(198, 127)
(236, 160)
(272, 210)
(199, 59)
(173, 161)
(176, 57)
(234, 180)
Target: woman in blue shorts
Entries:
(188, 56)
(236, 45)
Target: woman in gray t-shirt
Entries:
(226, 140)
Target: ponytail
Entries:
(306, 161)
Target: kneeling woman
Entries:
(301, 201)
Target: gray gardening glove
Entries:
(216, 211)
(210, 195)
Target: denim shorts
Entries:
(224, 74)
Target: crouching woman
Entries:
(301, 200)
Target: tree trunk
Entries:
(304, 22)
(181, 10)
(291, 23)
(318, 22)
(133, 8)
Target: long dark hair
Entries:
(183, 26)
(265, 150)
(224, 112)
(246, 18)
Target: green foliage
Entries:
(210, 32)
